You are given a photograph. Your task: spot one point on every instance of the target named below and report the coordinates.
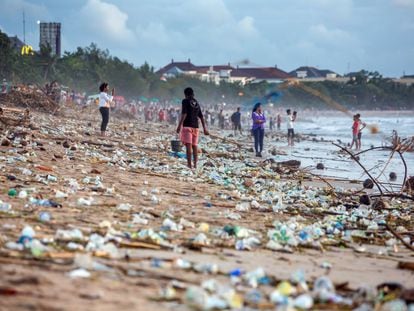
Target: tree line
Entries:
(84, 69)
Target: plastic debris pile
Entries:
(89, 204)
(28, 97)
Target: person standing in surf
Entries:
(290, 127)
(361, 126)
(355, 130)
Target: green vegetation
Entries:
(85, 68)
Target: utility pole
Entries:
(24, 28)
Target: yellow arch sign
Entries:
(27, 50)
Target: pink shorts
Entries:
(189, 135)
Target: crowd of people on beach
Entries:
(191, 112)
(253, 123)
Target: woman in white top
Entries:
(104, 105)
(290, 120)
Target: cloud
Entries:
(211, 12)
(404, 3)
(204, 31)
(107, 21)
(246, 27)
(14, 7)
(329, 36)
(289, 33)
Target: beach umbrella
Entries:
(143, 99)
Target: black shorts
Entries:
(237, 126)
(291, 133)
(359, 135)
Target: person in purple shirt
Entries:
(258, 128)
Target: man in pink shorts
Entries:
(188, 125)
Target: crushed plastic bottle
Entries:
(27, 235)
(79, 273)
(125, 207)
(254, 297)
(168, 224)
(303, 302)
(155, 200)
(247, 243)
(44, 217)
(243, 207)
(51, 178)
(139, 220)
(22, 194)
(85, 202)
(69, 235)
(182, 264)
(59, 194)
(323, 289)
(186, 223)
(207, 268)
(44, 202)
(5, 207)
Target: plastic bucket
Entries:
(176, 145)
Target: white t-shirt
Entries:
(105, 99)
(289, 121)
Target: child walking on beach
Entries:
(188, 125)
(355, 130)
(361, 126)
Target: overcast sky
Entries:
(328, 34)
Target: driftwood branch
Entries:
(399, 237)
(393, 149)
(359, 163)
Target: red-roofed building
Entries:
(176, 68)
(258, 74)
(217, 73)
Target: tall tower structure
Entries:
(50, 35)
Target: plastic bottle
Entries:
(236, 272)
(22, 194)
(303, 302)
(44, 217)
(5, 207)
(170, 225)
(44, 202)
(51, 178)
(253, 297)
(124, 207)
(26, 235)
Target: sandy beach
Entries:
(145, 271)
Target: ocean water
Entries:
(335, 127)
